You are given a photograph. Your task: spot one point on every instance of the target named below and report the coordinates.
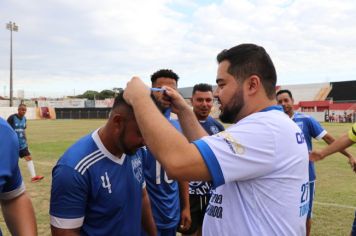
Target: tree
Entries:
(107, 94)
(89, 94)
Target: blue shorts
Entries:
(311, 198)
(164, 232)
(353, 230)
(24, 152)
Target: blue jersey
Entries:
(311, 129)
(97, 191)
(163, 192)
(11, 184)
(211, 126)
(19, 125)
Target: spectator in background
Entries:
(19, 123)
(16, 206)
(200, 191)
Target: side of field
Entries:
(334, 208)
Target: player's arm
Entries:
(15, 203)
(64, 232)
(68, 201)
(189, 123)
(330, 139)
(19, 215)
(185, 218)
(148, 222)
(340, 144)
(179, 158)
(10, 120)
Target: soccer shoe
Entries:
(36, 178)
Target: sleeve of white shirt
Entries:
(242, 152)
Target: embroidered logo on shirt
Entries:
(214, 129)
(137, 168)
(234, 145)
(106, 182)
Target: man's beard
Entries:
(230, 112)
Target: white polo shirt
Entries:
(259, 167)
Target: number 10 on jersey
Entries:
(160, 171)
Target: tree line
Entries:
(95, 95)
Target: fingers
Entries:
(352, 163)
(135, 89)
(185, 224)
(185, 221)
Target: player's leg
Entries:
(25, 153)
(310, 212)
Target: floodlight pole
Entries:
(12, 27)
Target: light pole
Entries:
(12, 27)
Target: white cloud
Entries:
(64, 45)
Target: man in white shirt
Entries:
(258, 166)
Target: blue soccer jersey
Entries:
(211, 126)
(163, 192)
(11, 184)
(19, 125)
(311, 129)
(97, 191)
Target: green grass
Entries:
(48, 139)
(336, 184)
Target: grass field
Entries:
(336, 183)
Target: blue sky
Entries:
(66, 47)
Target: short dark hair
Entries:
(120, 102)
(22, 105)
(164, 73)
(250, 59)
(202, 87)
(285, 91)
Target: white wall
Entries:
(319, 116)
(5, 112)
(79, 103)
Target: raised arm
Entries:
(180, 159)
(191, 127)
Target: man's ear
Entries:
(252, 84)
(117, 119)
